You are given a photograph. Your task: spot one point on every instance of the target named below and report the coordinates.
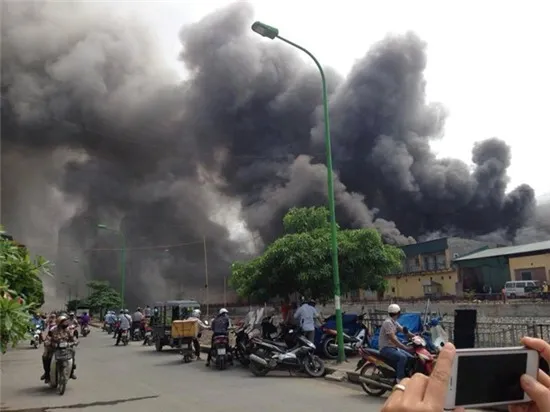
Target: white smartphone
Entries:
(490, 376)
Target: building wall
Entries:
(529, 263)
(477, 273)
(411, 285)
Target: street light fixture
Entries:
(272, 33)
(122, 259)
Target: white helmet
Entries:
(196, 313)
(394, 309)
(223, 311)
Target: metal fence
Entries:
(491, 334)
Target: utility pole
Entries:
(206, 277)
(225, 290)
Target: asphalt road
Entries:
(138, 378)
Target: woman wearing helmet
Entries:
(388, 344)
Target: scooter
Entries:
(84, 330)
(377, 373)
(329, 344)
(360, 337)
(61, 366)
(297, 354)
(36, 337)
(124, 337)
(220, 355)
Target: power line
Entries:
(171, 246)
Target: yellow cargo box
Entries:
(185, 328)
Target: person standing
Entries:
(306, 315)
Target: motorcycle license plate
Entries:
(221, 351)
(147, 334)
(63, 344)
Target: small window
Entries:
(526, 275)
(520, 284)
(450, 277)
(419, 279)
(443, 278)
(392, 290)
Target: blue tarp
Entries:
(412, 321)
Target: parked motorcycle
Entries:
(297, 354)
(61, 366)
(352, 343)
(377, 373)
(84, 330)
(36, 338)
(220, 355)
(243, 342)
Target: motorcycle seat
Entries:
(272, 342)
(376, 353)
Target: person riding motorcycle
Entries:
(389, 346)
(84, 322)
(196, 315)
(137, 317)
(125, 322)
(73, 321)
(220, 326)
(54, 337)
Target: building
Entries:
(492, 268)
(428, 269)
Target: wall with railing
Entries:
(489, 334)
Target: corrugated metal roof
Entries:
(507, 251)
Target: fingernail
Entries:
(527, 380)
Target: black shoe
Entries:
(43, 377)
(47, 380)
(73, 376)
(207, 364)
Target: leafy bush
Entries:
(14, 315)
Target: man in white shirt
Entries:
(306, 316)
(125, 322)
(137, 317)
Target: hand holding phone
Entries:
(490, 377)
(538, 390)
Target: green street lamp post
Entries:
(122, 259)
(273, 33)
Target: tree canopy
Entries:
(21, 273)
(300, 260)
(102, 296)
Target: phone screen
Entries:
(489, 378)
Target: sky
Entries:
(487, 61)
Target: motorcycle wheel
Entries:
(327, 351)
(314, 366)
(371, 371)
(221, 363)
(125, 342)
(61, 382)
(257, 369)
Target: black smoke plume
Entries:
(90, 112)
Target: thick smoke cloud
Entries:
(142, 151)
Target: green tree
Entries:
(21, 273)
(14, 318)
(102, 296)
(300, 261)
